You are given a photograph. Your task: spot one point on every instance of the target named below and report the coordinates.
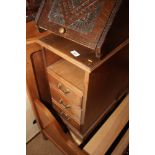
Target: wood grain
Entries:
(62, 47)
(122, 145)
(66, 116)
(41, 76)
(50, 58)
(106, 84)
(68, 72)
(87, 60)
(59, 138)
(30, 78)
(31, 85)
(32, 33)
(102, 23)
(73, 108)
(55, 79)
(74, 101)
(119, 30)
(103, 139)
(39, 67)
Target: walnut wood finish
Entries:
(101, 25)
(31, 9)
(32, 49)
(122, 145)
(106, 84)
(50, 125)
(66, 104)
(68, 72)
(41, 76)
(66, 89)
(71, 98)
(30, 78)
(105, 81)
(50, 58)
(32, 33)
(101, 90)
(104, 137)
(62, 47)
(118, 32)
(39, 67)
(66, 116)
(31, 87)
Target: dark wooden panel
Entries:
(82, 23)
(106, 84)
(50, 57)
(30, 78)
(54, 132)
(63, 48)
(32, 90)
(41, 76)
(119, 30)
(32, 33)
(38, 61)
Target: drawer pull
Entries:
(61, 88)
(64, 115)
(65, 106)
(62, 30)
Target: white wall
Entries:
(31, 129)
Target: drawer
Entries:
(65, 115)
(67, 90)
(73, 109)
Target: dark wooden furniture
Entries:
(76, 88)
(74, 82)
(82, 90)
(31, 9)
(101, 141)
(99, 25)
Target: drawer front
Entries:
(72, 94)
(65, 115)
(73, 109)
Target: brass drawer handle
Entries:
(65, 106)
(64, 115)
(62, 30)
(61, 88)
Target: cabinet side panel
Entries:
(106, 84)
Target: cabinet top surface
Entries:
(62, 47)
(85, 59)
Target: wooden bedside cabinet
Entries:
(82, 66)
(83, 89)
